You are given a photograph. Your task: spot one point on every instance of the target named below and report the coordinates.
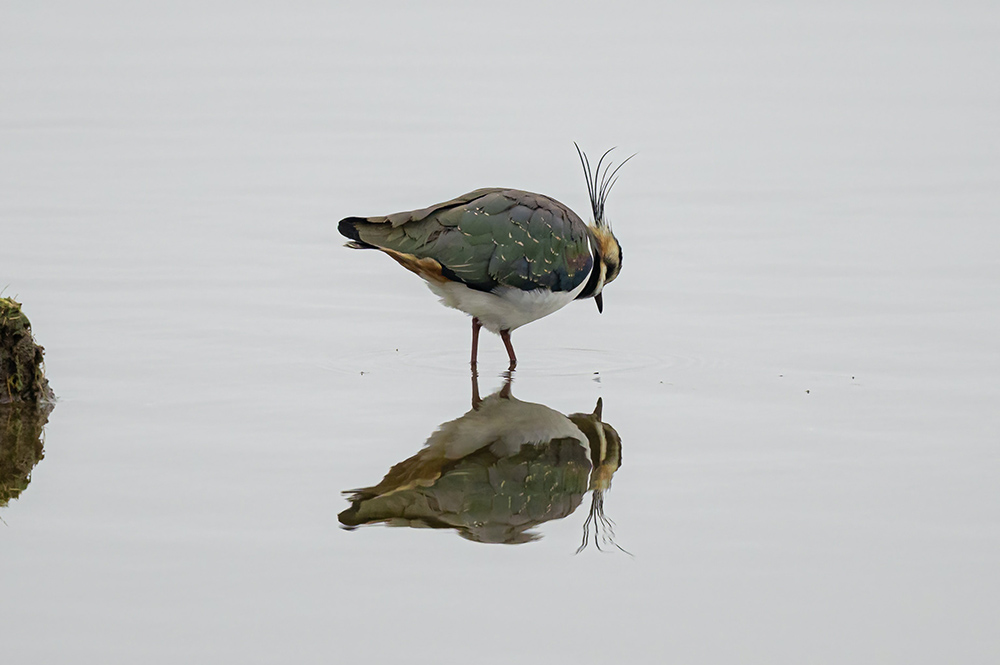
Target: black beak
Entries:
(599, 298)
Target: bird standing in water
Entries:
(504, 256)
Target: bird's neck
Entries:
(595, 283)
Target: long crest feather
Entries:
(604, 526)
(600, 183)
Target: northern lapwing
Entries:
(504, 256)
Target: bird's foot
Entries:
(476, 325)
(505, 336)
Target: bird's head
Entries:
(609, 251)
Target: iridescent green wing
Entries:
(489, 238)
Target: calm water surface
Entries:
(799, 358)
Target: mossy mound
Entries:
(20, 446)
(21, 376)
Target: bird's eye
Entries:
(612, 270)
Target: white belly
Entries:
(505, 308)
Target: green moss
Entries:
(22, 378)
(20, 446)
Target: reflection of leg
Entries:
(508, 378)
(476, 325)
(505, 336)
(475, 388)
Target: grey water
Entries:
(799, 357)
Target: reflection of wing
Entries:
(504, 424)
(485, 497)
(492, 474)
(488, 238)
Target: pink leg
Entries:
(505, 336)
(476, 400)
(476, 325)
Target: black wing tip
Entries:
(348, 228)
(349, 517)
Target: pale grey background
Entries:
(814, 208)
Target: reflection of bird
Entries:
(493, 474)
(504, 256)
(606, 451)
